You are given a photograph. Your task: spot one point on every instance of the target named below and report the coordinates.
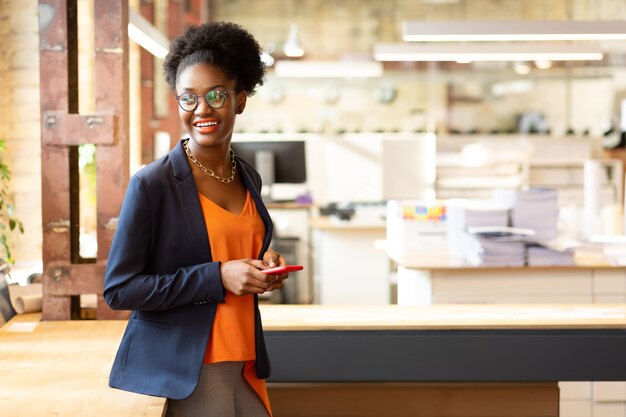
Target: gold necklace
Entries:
(209, 172)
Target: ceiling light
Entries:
(486, 52)
(543, 64)
(536, 30)
(267, 59)
(292, 47)
(512, 87)
(328, 69)
(146, 35)
(521, 67)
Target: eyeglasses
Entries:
(214, 98)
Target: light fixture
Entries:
(543, 64)
(146, 35)
(486, 52)
(328, 69)
(292, 47)
(521, 67)
(534, 30)
(504, 88)
(267, 59)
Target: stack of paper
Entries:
(535, 209)
(615, 254)
(465, 214)
(484, 251)
(542, 256)
(486, 217)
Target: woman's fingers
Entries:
(273, 258)
(245, 276)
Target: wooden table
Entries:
(443, 361)
(62, 369)
(591, 280)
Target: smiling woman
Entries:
(192, 240)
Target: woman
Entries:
(191, 242)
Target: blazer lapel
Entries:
(190, 203)
(188, 197)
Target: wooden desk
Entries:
(441, 361)
(299, 318)
(62, 369)
(421, 282)
(444, 361)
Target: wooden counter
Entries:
(424, 282)
(415, 261)
(447, 343)
(444, 361)
(438, 361)
(62, 369)
(334, 224)
(442, 317)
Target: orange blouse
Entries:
(235, 236)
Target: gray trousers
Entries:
(222, 391)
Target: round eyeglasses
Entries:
(214, 98)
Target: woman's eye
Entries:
(216, 95)
(188, 99)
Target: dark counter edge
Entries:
(447, 355)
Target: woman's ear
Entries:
(242, 97)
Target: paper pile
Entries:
(493, 251)
(535, 209)
(477, 233)
(543, 256)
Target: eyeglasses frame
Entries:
(205, 100)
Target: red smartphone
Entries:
(282, 269)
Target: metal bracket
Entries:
(62, 129)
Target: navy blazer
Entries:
(160, 267)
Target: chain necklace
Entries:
(207, 171)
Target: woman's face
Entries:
(208, 126)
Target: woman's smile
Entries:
(206, 126)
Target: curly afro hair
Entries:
(226, 45)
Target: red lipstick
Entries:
(206, 126)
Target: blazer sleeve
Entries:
(127, 286)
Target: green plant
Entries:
(8, 223)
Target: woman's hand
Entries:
(244, 276)
(271, 259)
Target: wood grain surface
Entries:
(439, 317)
(62, 368)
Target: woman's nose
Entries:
(203, 106)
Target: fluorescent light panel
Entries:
(536, 30)
(328, 69)
(486, 52)
(146, 35)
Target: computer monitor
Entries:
(288, 157)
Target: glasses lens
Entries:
(216, 98)
(188, 101)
